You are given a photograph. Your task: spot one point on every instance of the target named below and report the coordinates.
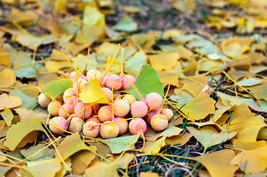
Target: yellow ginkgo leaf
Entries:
(93, 93)
(218, 163)
(81, 160)
(199, 107)
(25, 114)
(8, 78)
(101, 169)
(9, 101)
(170, 76)
(152, 148)
(252, 161)
(71, 145)
(4, 56)
(163, 61)
(124, 160)
(44, 168)
(245, 124)
(148, 174)
(179, 140)
(7, 116)
(23, 131)
(208, 136)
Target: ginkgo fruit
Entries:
(114, 81)
(91, 128)
(129, 98)
(122, 123)
(62, 112)
(109, 129)
(58, 125)
(149, 116)
(75, 124)
(68, 93)
(121, 108)
(78, 86)
(44, 100)
(105, 114)
(125, 83)
(137, 126)
(71, 103)
(94, 75)
(167, 113)
(108, 93)
(159, 122)
(53, 108)
(154, 101)
(83, 110)
(139, 109)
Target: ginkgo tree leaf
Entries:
(126, 23)
(19, 131)
(92, 93)
(218, 163)
(152, 135)
(252, 161)
(148, 81)
(8, 78)
(199, 107)
(56, 87)
(70, 145)
(153, 148)
(81, 160)
(101, 169)
(9, 101)
(44, 168)
(245, 124)
(117, 145)
(7, 116)
(208, 136)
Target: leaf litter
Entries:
(217, 86)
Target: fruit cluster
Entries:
(108, 120)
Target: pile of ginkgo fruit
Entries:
(122, 112)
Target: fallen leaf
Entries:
(27, 102)
(19, 131)
(44, 168)
(7, 116)
(71, 145)
(245, 124)
(199, 107)
(126, 23)
(163, 61)
(245, 145)
(124, 160)
(179, 140)
(9, 101)
(153, 148)
(101, 169)
(56, 87)
(92, 93)
(81, 160)
(44, 154)
(4, 57)
(208, 136)
(117, 145)
(152, 135)
(252, 161)
(148, 81)
(218, 163)
(148, 174)
(25, 115)
(7, 78)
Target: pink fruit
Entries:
(53, 108)
(139, 109)
(70, 104)
(109, 130)
(68, 93)
(121, 108)
(44, 100)
(137, 126)
(58, 125)
(154, 101)
(123, 124)
(80, 108)
(91, 128)
(159, 122)
(114, 81)
(125, 83)
(75, 124)
(105, 114)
